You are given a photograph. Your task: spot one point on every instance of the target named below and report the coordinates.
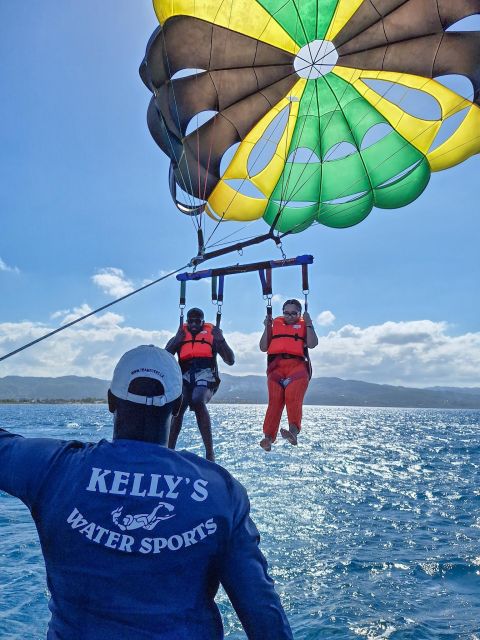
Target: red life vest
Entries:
(198, 346)
(287, 338)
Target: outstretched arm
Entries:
(25, 462)
(311, 339)
(221, 346)
(243, 574)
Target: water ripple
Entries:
(370, 525)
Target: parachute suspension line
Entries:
(220, 220)
(238, 246)
(405, 144)
(265, 143)
(91, 313)
(285, 185)
(348, 187)
(339, 104)
(283, 204)
(202, 195)
(282, 207)
(263, 147)
(221, 241)
(284, 199)
(217, 89)
(172, 179)
(332, 113)
(178, 122)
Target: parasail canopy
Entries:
(303, 111)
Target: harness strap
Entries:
(296, 336)
(284, 382)
(193, 341)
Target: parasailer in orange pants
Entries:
(286, 340)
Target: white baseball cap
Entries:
(147, 361)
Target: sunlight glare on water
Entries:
(370, 526)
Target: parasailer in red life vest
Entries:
(286, 340)
(197, 344)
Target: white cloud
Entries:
(113, 282)
(5, 267)
(59, 314)
(416, 353)
(325, 318)
(91, 348)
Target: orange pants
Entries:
(278, 396)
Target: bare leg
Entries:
(200, 397)
(177, 421)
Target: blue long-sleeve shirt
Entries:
(137, 538)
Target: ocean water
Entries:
(371, 526)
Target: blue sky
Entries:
(86, 216)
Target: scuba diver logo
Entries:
(148, 521)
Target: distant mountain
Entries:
(466, 390)
(338, 392)
(253, 390)
(64, 388)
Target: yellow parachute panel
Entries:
(230, 204)
(244, 16)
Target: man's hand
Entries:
(268, 321)
(217, 334)
(307, 319)
(179, 336)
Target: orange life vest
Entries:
(287, 338)
(198, 346)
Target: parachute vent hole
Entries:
(448, 128)
(399, 176)
(185, 73)
(228, 157)
(415, 102)
(315, 59)
(198, 120)
(339, 151)
(471, 23)
(246, 188)
(262, 153)
(376, 133)
(459, 84)
(304, 155)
